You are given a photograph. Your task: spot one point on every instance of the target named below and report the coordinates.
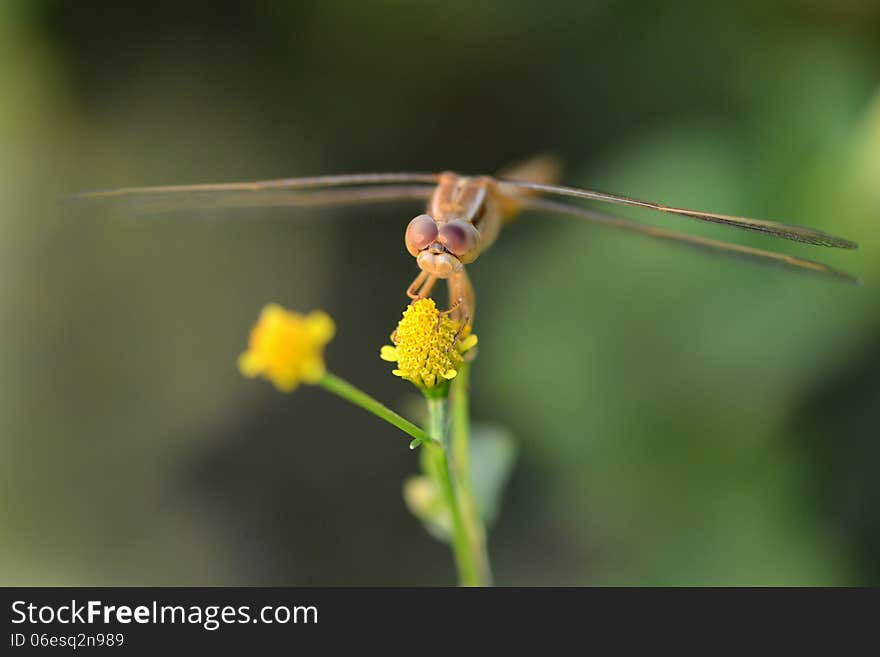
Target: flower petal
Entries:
(468, 343)
(389, 353)
(250, 364)
(321, 328)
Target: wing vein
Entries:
(340, 180)
(160, 201)
(792, 263)
(785, 231)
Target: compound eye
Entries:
(459, 237)
(420, 233)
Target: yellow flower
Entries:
(287, 348)
(428, 347)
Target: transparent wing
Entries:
(703, 244)
(796, 233)
(169, 199)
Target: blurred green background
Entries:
(680, 419)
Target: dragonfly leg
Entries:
(421, 286)
(455, 306)
(411, 291)
(458, 333)
(452, 308)
(461, 298)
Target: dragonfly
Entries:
(465, 214)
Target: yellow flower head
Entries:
(287, 348)
(428, 347)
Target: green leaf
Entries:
(493, 455)
(423, 499)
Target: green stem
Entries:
(358, 397)
(461, 548)
(461, 461)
